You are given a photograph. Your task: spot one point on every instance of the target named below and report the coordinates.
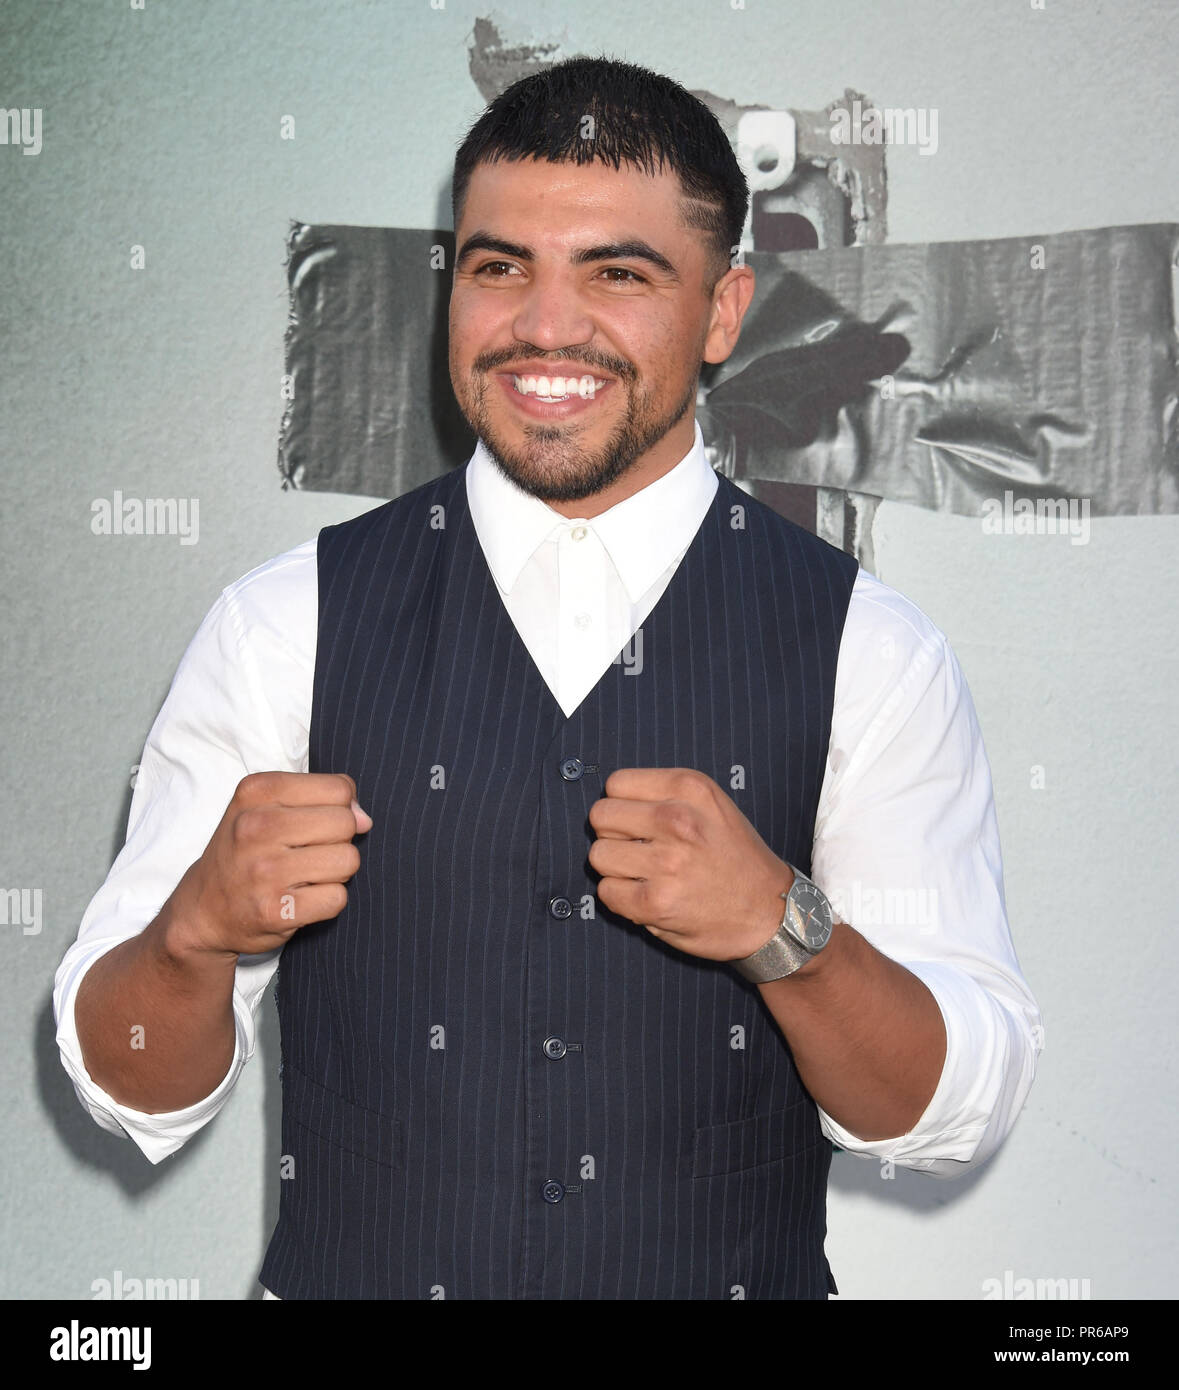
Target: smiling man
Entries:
(616, 325)
(651, 780)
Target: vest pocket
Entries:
(741, 1144)
(340, 1121)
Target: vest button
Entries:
(552, 1192)
(554, 1048)
(560, 908)
(572, 769)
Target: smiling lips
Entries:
(558, 388)
(555, 397)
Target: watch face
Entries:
(809, 914)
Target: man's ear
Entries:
(731, 299)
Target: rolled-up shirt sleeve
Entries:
(907, 848)
(238, 704)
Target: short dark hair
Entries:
(639, 117)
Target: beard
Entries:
(552, 465)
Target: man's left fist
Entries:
(676, 856)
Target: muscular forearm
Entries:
(866, 1034)
(155, 1017)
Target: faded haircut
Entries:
(601, 108)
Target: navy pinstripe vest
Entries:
(493, 1087)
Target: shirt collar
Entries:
(642, 534)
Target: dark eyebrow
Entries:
(633, 249)
(625, 251)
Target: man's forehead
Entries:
(504, 179)
(522, 199)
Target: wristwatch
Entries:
(803, 932)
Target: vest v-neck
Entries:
(692, 557)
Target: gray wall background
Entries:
(161, 128)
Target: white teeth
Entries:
(558, 388)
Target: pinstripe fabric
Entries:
(422, 1112)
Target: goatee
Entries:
(556, 468)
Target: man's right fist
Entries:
(280, 858)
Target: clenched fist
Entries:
(280, 858)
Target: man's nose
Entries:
(552, 314)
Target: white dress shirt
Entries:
(906, 841)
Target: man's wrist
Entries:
(180, 944)
(800, 937)
(776, 883)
